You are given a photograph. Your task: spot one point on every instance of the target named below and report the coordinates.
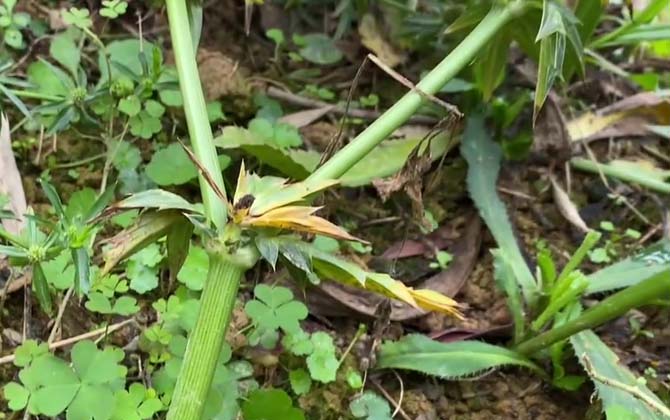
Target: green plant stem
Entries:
(36, 95)
(402, 110)
(205, 341)
(616, 305)
(637, 177)
(195, 110)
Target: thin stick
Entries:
(402, 393)
(297, 100)
(409, 85)
(390, 399)
(632, 390)
(62, 343)
(59, 316)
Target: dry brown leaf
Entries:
(628, 117)
(304, 118)
(566, 207)
(10, 180)
(373, 39)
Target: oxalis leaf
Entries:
(615, 384)
(483, 157)
(447, 360)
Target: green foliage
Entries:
(77, 17)
(322, 363)
(113, 8)
(603, 366)
(451, 360)
(142, 268)
(265, 404)
(300, 381)
(137, 403)
(631, 270)
(194, 271)
(272, 309)
(86, 390)
(318, 49)
(370, 406)
(483, 157)
(12, 23)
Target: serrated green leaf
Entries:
(631, 270)
(447, 360)
(275, 308)
(299, 343)
(92, 402)
(605, 364)
(97, 367)
(113, 8)
(483, 157)
(52, 385)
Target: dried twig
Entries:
(62, 343)
(59, 316)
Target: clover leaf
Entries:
(275, 308)
(77, 17)
(28, 351)
(130, 105)
(322, 363)
(137, 403)
(86, 389)
(59, 271)
(142, 268)
(113, 8)
(298, 344)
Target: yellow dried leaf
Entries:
(431, 300)
(301, 219)
(286, 195)
(374, 40)
(242, 184)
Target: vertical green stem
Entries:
(205, 341)
(195, 109)
(616, 305)
(402, 110)
(225, 272)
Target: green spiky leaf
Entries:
(451, 360)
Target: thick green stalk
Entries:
(399, 113)
(195, 109)
(205, 341)
(616, 305)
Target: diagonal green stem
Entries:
(195, 109)
(616, 305)
(402, 110)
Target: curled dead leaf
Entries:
(373, 39)
(566, 207)
(629, 117)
